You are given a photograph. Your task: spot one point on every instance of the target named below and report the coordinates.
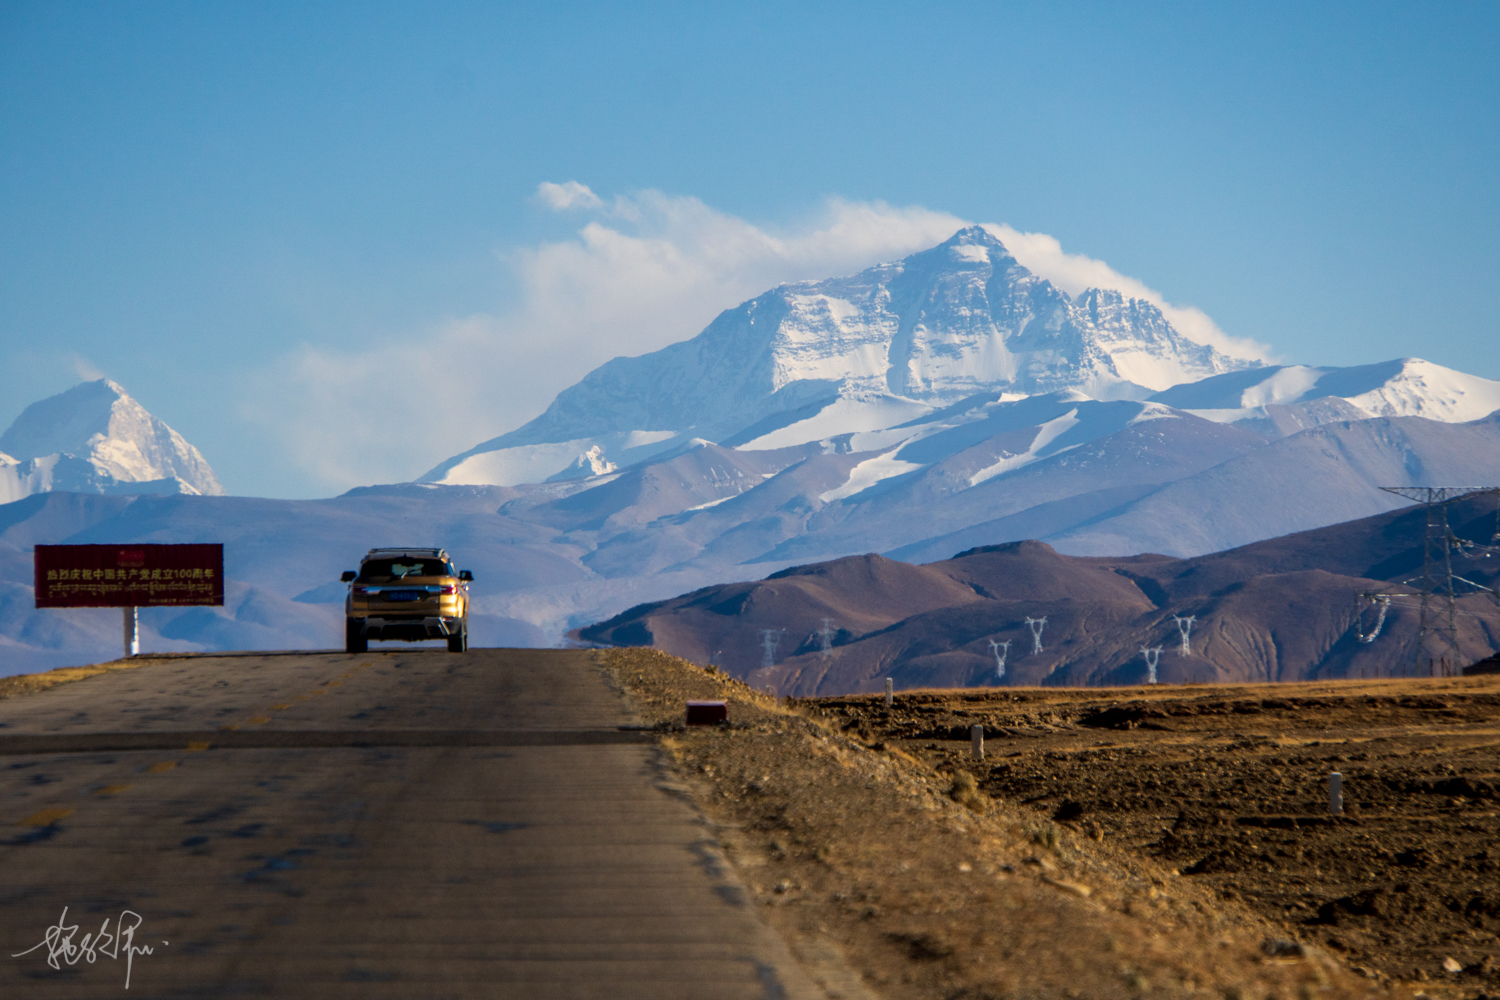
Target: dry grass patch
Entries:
(24, 684)
(928, 888)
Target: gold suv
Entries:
(406, 594)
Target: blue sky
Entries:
(262, 219)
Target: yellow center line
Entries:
(259, 720)
(45, 817)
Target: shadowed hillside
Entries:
(1285, 609)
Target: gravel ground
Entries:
(896, 867)
(1229, 786)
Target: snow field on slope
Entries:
(1424, 389)
(868, 473)
(535, 463)
(1046, 434)
(845, 415)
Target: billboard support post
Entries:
(132, 632)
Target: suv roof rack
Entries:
(409, 553)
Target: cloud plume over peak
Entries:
(1073, 272)
(646, 269)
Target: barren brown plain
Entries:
(1167, 840)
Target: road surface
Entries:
(405, 823)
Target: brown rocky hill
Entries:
(1285, 609)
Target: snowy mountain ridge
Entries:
(1405, 387)
(865, 362)
(927, 331)
(94, 438)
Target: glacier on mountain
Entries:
(931, 329)
(94, 438)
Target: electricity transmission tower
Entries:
(1438, 578)
(770, 638)
(1001, 650)
(1384, 600)
(825, 639)
(1036, 625)
(1185, 627)
(1153, 656)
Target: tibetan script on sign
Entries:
(124, 576)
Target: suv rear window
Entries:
(398, 568)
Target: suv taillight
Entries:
(447, 589)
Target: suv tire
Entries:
(460, 643)
(354, 639)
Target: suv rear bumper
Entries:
(411, 628)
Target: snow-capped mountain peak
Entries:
(962, 318)
(94, 438)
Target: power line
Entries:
(1438, 578)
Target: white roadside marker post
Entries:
(976, 737)
(890, 692)
(132, 633)
(1336, 793)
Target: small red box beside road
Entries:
(706, 713)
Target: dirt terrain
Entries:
(896, 868)
(1229, 786)
(1294, 608)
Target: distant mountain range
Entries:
(941, 403)
(1023, 614)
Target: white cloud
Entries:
(1073, 273)
(565, 196)
(656, 269)
(380, 415)
(86, 370)
(648, 270)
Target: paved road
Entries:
(405, 824)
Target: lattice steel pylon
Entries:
(1001, 650)
(770, 638)
(1438, 542)
(1036, 625)
(825, 639)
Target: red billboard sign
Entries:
(124, 576)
